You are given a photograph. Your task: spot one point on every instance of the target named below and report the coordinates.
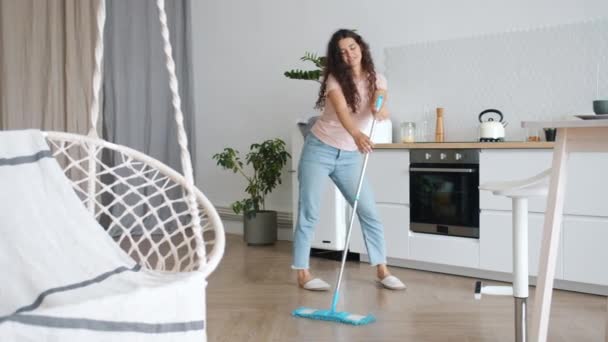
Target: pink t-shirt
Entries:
(329, 129)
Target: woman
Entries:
(334, 148)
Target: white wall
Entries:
(241, 49)
(547, 73)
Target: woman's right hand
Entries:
(364, 143)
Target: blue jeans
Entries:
(318, 161)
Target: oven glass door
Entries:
(445, 195)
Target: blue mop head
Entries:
(335, 316)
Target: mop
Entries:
(332, 314)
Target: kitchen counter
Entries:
(582, 251)
(478, 145)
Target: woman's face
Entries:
(350, 51)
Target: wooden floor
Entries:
(251, 295)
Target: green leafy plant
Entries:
(267, 160)
(314, 75)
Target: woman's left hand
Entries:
(382, 114)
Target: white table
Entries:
(572, 136)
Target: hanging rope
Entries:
(181, 132)
(94, 110)
(99, 47)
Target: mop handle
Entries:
(334, 301)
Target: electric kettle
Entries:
(491, 130)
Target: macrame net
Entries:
(141, 203)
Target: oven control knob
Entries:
(458, 156)
(442, 156)
(427, 156)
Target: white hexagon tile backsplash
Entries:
(546, 73)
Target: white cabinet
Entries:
(388, 174)
(396, 221)
(446, 250)
(584, 189)
(504, 165)
(357, 245)
(496, 243)
(586, 185)
(582, 255)
(495, 240)
(585, 241)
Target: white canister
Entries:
(383, 132)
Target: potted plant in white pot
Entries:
(267, 161)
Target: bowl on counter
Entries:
(600, 107)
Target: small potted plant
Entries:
(267, 161)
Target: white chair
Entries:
(172, 235)
(519, 192)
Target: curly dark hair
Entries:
(343, 73)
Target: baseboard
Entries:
(490, 275)
(233, 227)
(333, 255)
(285, 234)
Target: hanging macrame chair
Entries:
(154, 213)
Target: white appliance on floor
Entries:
(330, 231)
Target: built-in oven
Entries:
(444, 192)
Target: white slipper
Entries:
(316, 285)
(392, 283)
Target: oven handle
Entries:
(438, 169)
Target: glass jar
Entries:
(532, 134)
(408, 132)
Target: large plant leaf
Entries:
(312, 57)
(314, 75)
(297, 74)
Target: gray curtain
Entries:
(137, 106)
(46, 64)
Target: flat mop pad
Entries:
(335, 316)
